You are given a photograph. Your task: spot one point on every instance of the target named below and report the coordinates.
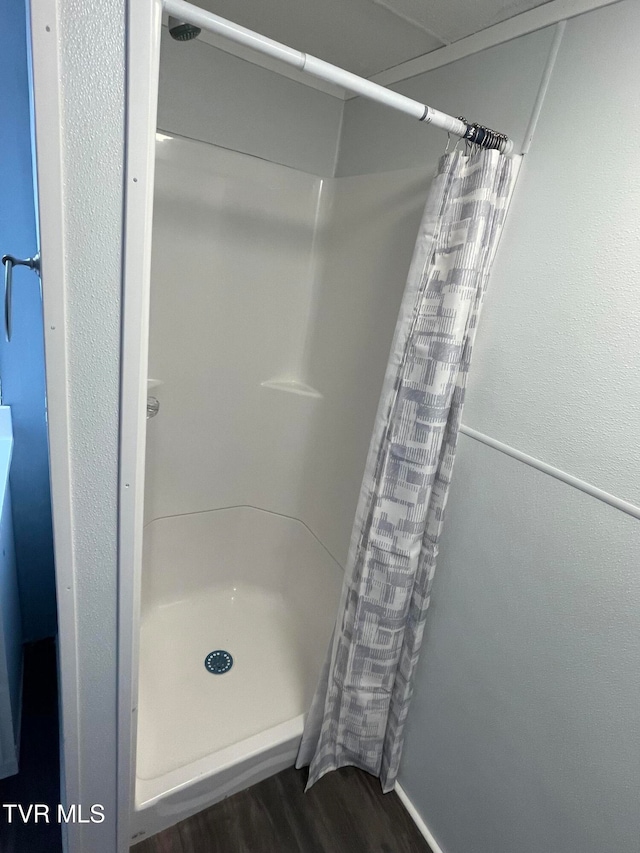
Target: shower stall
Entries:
(242, 549)
(259, 336)
(268, 339)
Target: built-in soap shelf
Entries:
(292, 386)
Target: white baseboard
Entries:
(423, 829)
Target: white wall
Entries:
(356, 297)
(231, 285)
(241, 243)
(266, 274)
(251, 245)
(524, 733)
(257, 277)
(91, 48)
(213, 96)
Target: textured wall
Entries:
(524, 730)
(556, 371)
(22, 360)
(212, 96)
(92, 79)
(524, 733)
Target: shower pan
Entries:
(238, 605)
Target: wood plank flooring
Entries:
(345, 812)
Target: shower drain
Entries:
(218, 662)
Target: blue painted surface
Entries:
(22, 361)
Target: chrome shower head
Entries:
(181, 31)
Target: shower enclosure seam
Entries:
(259, 509)
(173, 133)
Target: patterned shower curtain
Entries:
(360, 707)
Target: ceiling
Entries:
(367, 36)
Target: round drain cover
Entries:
(218, 662)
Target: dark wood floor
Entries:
(345, 812)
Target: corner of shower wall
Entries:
(364, 243)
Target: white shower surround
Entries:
(269, 337)
(231, 282)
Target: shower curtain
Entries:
(360, 707)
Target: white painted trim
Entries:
(144, 24)
(47, 111)
(544, 85)
(527, 22)
(422, 827)
(270, 64)
(569, 479)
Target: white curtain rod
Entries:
(476, 133)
